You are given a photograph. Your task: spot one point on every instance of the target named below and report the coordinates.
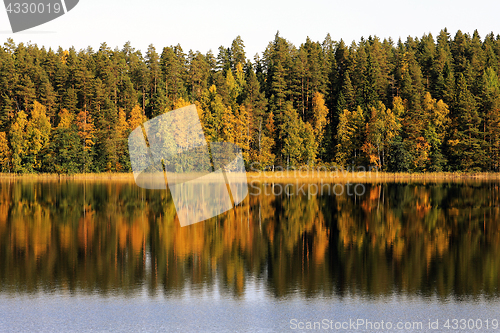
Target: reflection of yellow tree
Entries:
(406, 237)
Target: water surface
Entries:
(109, 256)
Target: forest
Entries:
(421, 105)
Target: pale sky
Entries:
(203, 25)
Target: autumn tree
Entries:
(381, 130)
(5, 153)
(350, 137)
(437, 114)
(319, 119)
(87, 134)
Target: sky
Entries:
(203, 25)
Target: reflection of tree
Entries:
(115, 237)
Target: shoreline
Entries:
(283, 176)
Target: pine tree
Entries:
(290, 134)
(466, 144)
(425, 57)
(316, 73)
(310, 145)
(299, 81)
(278, 61)
(64, 152)
(173, 72)
(237, 53)
(48, 98)
(153, 64)
(459, 47)
(490, 98)
(198, 75)
(6, 113)
(223, 59)
(26, 93)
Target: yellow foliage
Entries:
(65, 119)
(398, 107)
(135, 117)
(64, 56)
(180, 103)
(122, 125)
(5, 153)
(86, 129)
(320, 115)
(229, 122)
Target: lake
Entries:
(100, 255)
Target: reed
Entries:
(105, 176)
(369, 177)
(284, 176)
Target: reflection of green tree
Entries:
(115, 237)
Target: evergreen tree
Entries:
(237, 53)
(64, 152)
(173, 73)
(290, 134)
(490, 98)
(466, 143)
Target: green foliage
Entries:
(350, 137)
(64, 153)
(290, 133)
(399, 158)
(418, 105)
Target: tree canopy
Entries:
(418, 105)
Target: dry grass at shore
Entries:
(368, 177)
(283, 177)
(105, 176)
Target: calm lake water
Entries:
(110, 256)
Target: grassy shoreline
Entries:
(283, 176)
(77, 176)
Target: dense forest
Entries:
(424, 104)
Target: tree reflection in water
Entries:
(113, 237)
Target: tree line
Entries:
(425, 104)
